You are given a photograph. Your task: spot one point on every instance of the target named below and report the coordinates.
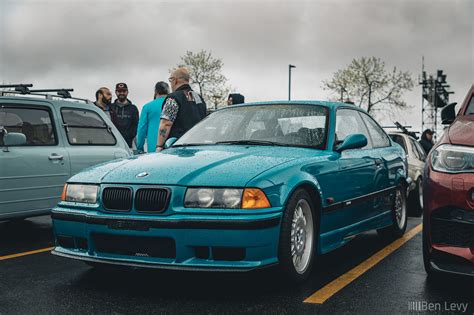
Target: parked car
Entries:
(43, 142)
(250, 186)
(448, 221)
(416, 163)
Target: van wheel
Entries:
(399, 216)
(298, 237)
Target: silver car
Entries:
(43, 142)
(416, 162)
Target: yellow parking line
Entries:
(26, 253)
(323, 294)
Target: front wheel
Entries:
(298, 237)
(399, 215)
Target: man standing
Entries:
(182, 109)
(127, 114)
(427, 140)
(150, 118)
(103, 100)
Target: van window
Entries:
(85, 127)
(35, 123)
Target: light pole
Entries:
(289, 80)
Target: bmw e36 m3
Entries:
(250, 186)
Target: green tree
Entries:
(370, 85)
(206, 74)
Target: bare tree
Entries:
(368, 84)
(206, 74)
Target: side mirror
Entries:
(354, 141)
(448, 114)
(14, 139)
(170, 142)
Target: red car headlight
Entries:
(453, 159)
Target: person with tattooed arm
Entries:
(182, 109)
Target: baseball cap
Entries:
(121, 86)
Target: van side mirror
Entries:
(170, 142)
(354, 141)
(14, 139)
(448, 114)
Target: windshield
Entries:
(288, 125)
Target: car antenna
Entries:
(21, 88)
(61, 92)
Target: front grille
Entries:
(117, 198)
(139, 246)
(151, 199)
(452, 233)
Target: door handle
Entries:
(55, 157)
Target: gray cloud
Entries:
(89, 44)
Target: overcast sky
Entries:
(88, 44)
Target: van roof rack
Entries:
(61, 92)
(23, 89)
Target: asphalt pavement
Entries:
(36, 282)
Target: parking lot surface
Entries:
(34, 281)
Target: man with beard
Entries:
(127, 114)
(103, 100)
(182, 109)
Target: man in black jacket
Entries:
(126, 114)
(182, 109)
(427, 140)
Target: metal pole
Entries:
(289, 80)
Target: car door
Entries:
(31, 175)
(388, 161)
(90, 139)
(354, 181)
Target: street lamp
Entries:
(289, 80)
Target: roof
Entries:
(331, 105)
(54, 100)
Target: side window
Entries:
(415, 149)
(399, 139)
(470, 107)
(85, 127)
(379, 137)
(35, 123)
(420, 150)
(349, 122)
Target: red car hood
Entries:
(461, 132)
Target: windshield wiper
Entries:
(189, 145)
(251, 142)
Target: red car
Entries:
(448, 192)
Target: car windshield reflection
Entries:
(270, 125)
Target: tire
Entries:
(298, 241)
(399, 216)
(416, 199)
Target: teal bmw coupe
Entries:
(250, 186)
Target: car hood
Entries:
(462, 130)
(231, 166)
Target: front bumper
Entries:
(449, 211)
(207, 242)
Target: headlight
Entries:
(453, 159)
(226, 198)
(80, 193)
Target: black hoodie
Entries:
(126, 120)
